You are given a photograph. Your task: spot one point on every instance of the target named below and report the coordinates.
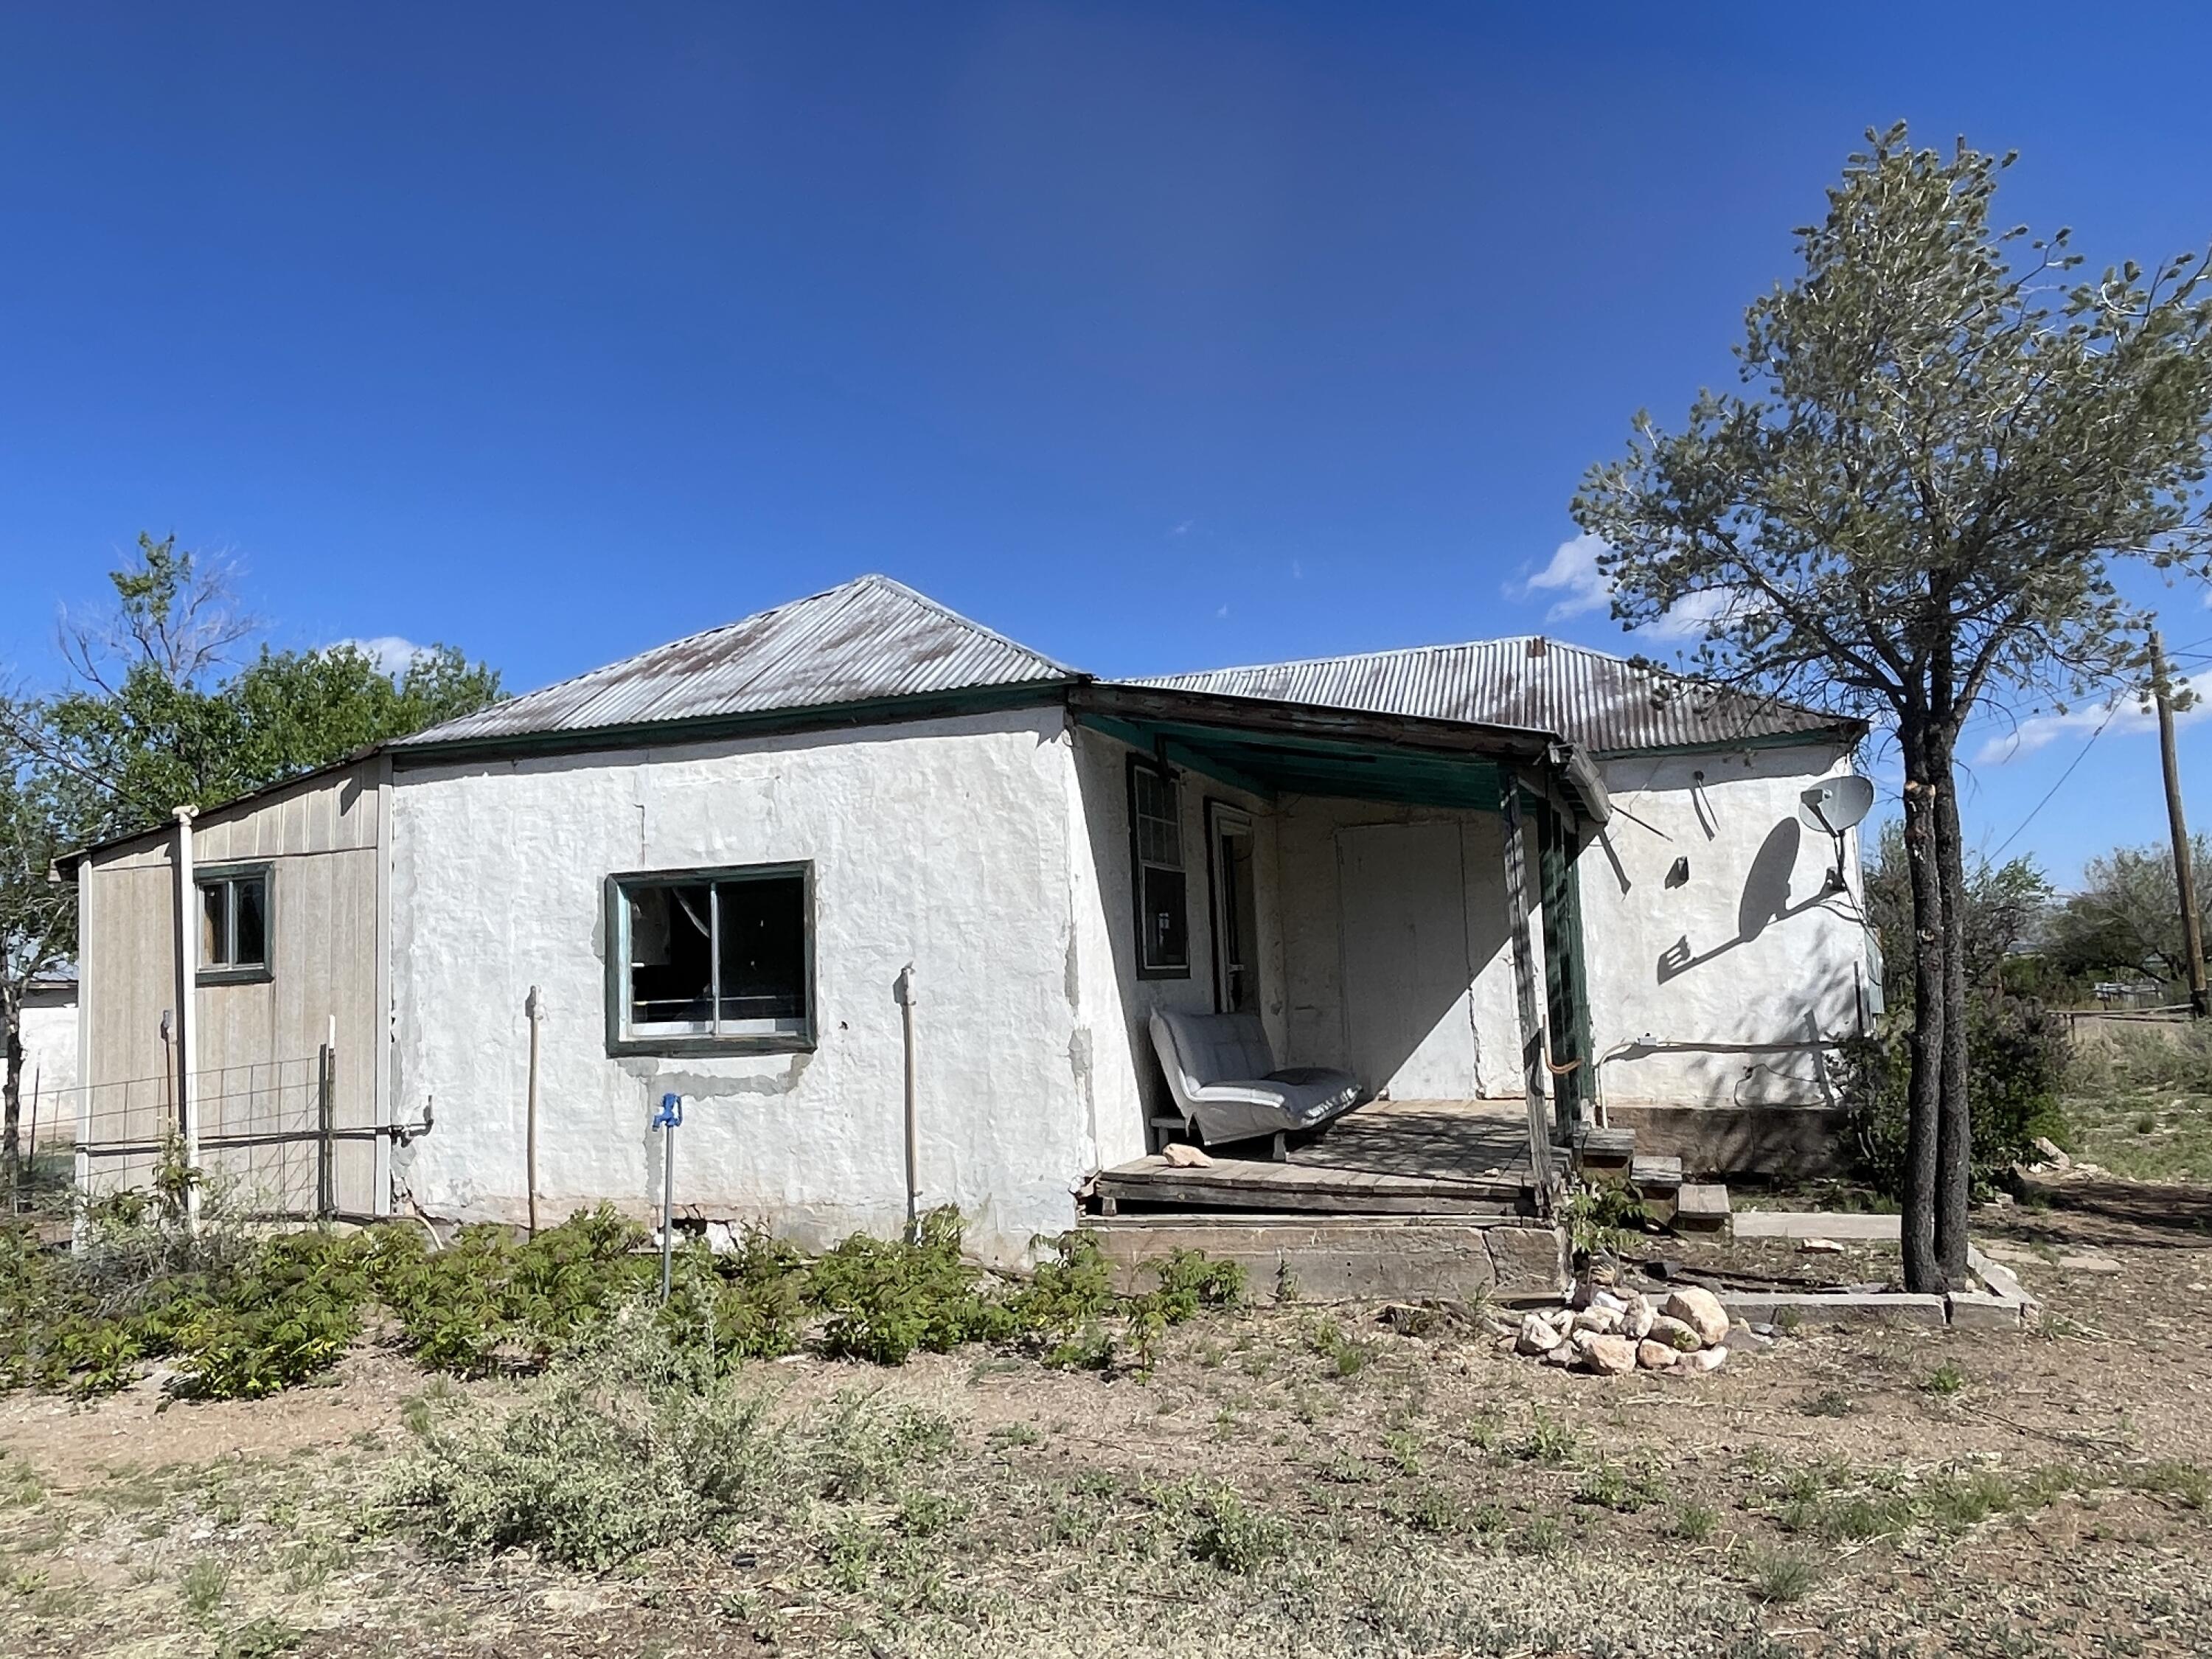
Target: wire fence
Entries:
(265, 1138)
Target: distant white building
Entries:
(49, 1054)
(715, 862)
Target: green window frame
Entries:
(715, 961)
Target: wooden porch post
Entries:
(1524, 987)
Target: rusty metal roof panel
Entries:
(869, 640)
(1592, 698)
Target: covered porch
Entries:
(1395, 898)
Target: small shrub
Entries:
(206, 1581)
(1694, 1522)
(887, 1299)
(2018, 1053)
(1778, 1576)
(1946, 1380)
(1550, 1442)
(1216, 1527)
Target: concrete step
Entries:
(1606, 1151)
(1701, 1207)
(1653, 1173)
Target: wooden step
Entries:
(1654, 1172)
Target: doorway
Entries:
(1231, 875)
(1408, 973)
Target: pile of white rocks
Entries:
(1612, 1332)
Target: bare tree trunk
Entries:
(11, 1115)
(1954, 1136)
(1923, 1269)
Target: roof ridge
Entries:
(1394, 650)
(876, 578)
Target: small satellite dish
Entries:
(1838, 805)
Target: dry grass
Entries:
(1255, 1494)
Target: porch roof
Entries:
(1267, 747)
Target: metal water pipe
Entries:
(668, 1119)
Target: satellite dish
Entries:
(1838, 805)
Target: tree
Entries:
(160, 717)
(2004, 907)
(2127, 916)
(39, 810)
(1915, 510)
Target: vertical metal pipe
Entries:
(188, 1106)
(531, 1007)
(905, 993)
(670, 1116)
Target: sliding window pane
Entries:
(671, 956)
(763, 953)
(249, 922)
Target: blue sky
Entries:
(1156, 335)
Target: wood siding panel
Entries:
(319, 837)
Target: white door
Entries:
(1409, 1023)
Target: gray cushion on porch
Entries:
(1224, 1079)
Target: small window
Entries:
(1155, 838)
(233, 923)
(711, 959)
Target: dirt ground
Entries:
(1300, 1481)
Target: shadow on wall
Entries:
(1764, 901)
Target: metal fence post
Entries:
(325, 1198)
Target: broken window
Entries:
(233, 923)
(718, 957)
(1155, 836)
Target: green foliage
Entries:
(2018, 1054)
(157, 721)
(2004, 907)
(245, 1317)
(1600, 1214)
(884, 1300)
(2124, 919)
(635, 1441)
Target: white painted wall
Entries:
(1124, 1083)
(49, 1055)
(1738, 972)
(950, 844)
(1475, 1017)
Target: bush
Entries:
(2017, 1055)
(886, 1300)
(636, 1441)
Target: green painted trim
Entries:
(1179, 756)
(825, 717)
(664, 1047)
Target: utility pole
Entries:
(2185, 871)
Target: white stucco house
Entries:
(741, 867)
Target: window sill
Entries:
(1164, 973)
(677, 1047)
(260, 975)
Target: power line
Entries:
(2063, 776)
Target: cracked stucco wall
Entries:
(945, 843)
(1738, 971)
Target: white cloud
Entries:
(2123, 715)
(1583, 587)
(1574, 576)
(1690, 619)
(1182, 528)
(391, 654)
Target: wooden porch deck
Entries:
(1437, 1157)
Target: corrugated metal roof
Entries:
(1592, 698)
(869, 639)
